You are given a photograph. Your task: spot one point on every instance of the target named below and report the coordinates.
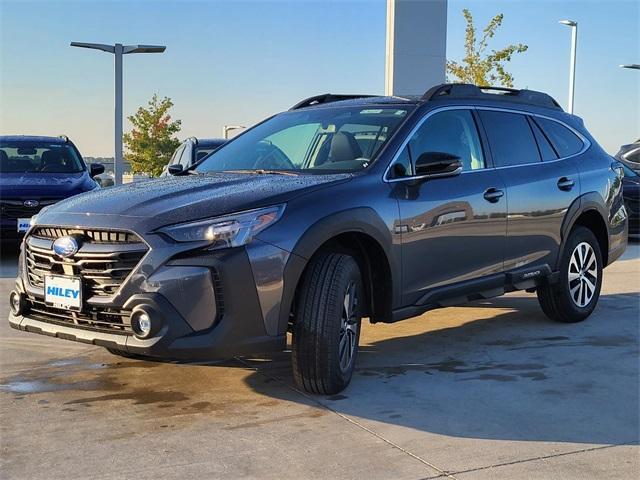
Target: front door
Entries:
(453, 229)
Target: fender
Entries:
(584, 203)
(357, 220)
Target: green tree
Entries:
(152, 140)
(478, 66)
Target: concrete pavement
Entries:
(489, 390)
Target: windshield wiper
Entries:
(261, 171)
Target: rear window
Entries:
(510, 138)
(38, 157)
(564, 141)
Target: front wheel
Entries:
(326, 329)
(576, 295)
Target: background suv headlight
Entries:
(232, 230)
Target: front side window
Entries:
(564, 141)
(38, 157)
(510, 138)
(310, 141)
(453, 132)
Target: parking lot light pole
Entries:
(572, 66)
(227, 128)
(118, 51)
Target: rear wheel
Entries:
(576, 295)
(326, 329)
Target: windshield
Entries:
(38, 157)
(323, 139)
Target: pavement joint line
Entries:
(443, 473)
(534, 459)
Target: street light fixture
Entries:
(633, 66)
(118, 50)
(572, 67)
(227, 128)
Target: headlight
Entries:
(227, 231)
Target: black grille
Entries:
(17, 208)
(92, 318)
(94, 236)
(102, 268)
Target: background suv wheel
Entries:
(575, 296)
(326, 330)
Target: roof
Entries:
(33, 138)
(210, 142)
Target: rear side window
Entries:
(563, 140)
(510, 138)
(546, 150)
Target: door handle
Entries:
(565, 184)
(493, 195)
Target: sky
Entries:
(237, 62)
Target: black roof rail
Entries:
(326, 98)
(468, 90)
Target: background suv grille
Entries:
(103, 264)
(17, 208)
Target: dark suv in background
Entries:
(36, 172)
(342, 208)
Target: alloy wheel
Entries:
(583, 274)
(348, 327)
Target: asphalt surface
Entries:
(490, 390)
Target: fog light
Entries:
(15, 303)
(141, 323)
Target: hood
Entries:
(172, 200)
(44, 185)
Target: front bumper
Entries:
(209, 305)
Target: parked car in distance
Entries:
(631, 193)
(191, 151)
(343, 208)
(630, 155)
(36, 172)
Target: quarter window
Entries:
(564, 141)
(546, 150)
(510, 138)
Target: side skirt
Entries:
(528, 278)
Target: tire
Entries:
(325, 334)
(571, 301)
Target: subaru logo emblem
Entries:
(31, 203)
(65, 247)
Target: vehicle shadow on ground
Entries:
(513, 376)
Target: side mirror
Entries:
(175, 169)
(438, 164)
(96, 169)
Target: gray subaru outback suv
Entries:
(342, 208)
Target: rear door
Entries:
(453, 229)
(541, 184)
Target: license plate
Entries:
(24, 224)
(63, 292)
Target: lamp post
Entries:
(632, 66)
(118, 51)
(227, 128)
(572, 66)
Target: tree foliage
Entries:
(152, 140)
(478, 66)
